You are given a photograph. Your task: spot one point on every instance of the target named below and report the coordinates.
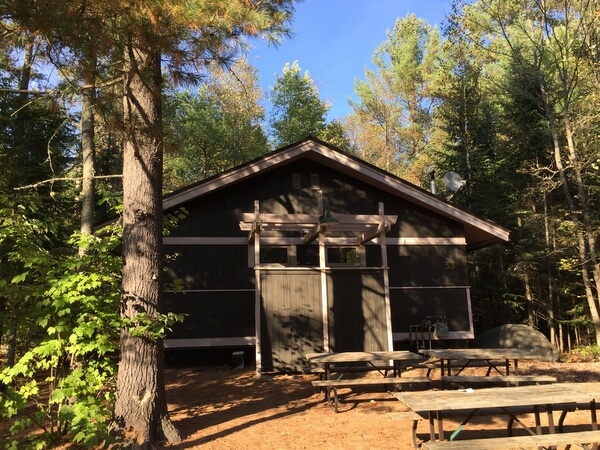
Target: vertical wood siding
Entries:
(212, 314)
(291, 323)
(209, 267)
(357, 316)
(427, 265)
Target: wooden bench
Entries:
(432, 365)
(587, 438)
(333, 385)
(314, 370)
(512, 380)
(498, 412)
(319, 370)
(416, 418)
(405, 415)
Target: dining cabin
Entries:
(311, 249)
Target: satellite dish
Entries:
(453, 181)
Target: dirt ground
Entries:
(224, 408)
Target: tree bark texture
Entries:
(88, 197)
(141, 407)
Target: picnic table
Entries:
(356, 360)
(495, 358)
(362, 362)
(469, 403)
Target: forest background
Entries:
(505, 93)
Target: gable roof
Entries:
(479, 233)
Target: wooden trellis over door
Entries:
(290, 297)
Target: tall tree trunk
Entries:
(88, 153)
(529, 298)
(14, 308)
(25, 77)
(550, 251)
(141, 405)
(590, 232)
(584, 257)
(13, 329)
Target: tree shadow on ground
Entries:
(234, 399)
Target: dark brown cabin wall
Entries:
(418, 222)
(218, 213)
(411, 306)
(418, 266)
(350, 196)
(212, 314)
(209, 267)
(424, 268)
(218, 291)
(427, 265)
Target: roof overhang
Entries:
(479, 233)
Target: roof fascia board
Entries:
(346, 164)
(269, 161)
(420, 197)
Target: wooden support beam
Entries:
(307, 222)
(256, 229)
(313, 233)
(363, 238)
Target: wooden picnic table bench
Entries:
(506, 380)
(495, 412)
(320, 370)
(333, 385)
(360, 361)
(584, 438)
(469, 403)
(436, 364)
(498, 359)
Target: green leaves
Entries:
(215, 128)
(394, 119)
(156, 327)
(297, 109)
(19, 278)
(76, 337)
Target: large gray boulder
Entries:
(521, 336)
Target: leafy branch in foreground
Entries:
(64, 385)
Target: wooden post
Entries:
(386, 284)
(257, 293)
(322, 268)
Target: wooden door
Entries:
(357, 310)
(291, 318)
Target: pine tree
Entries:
(297, 110)
(140, 35)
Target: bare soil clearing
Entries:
(224, 408)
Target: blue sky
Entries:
(334, 41)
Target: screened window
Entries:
(308, 255)
(274, 255)
(343, 255)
